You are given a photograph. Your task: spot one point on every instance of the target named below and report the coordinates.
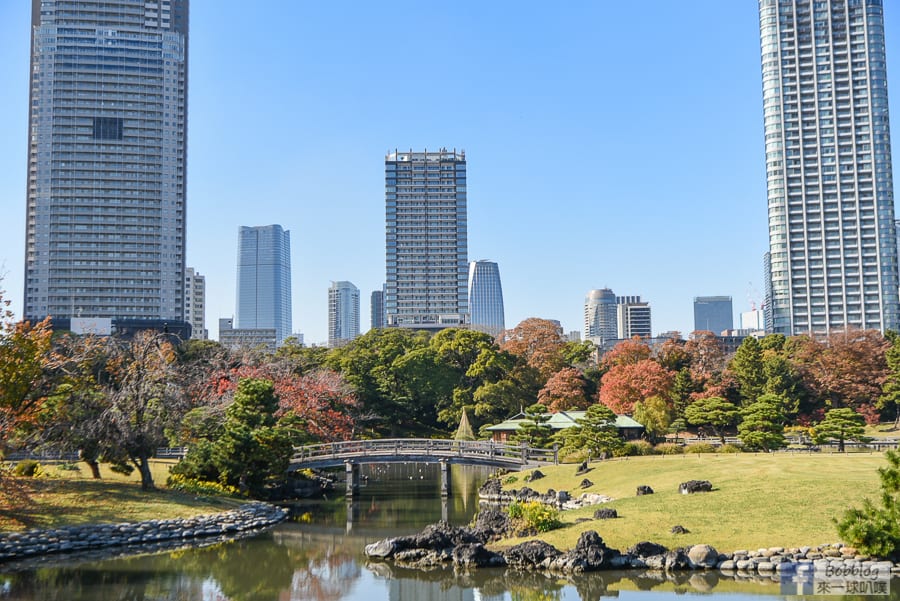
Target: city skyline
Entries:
(669, 128)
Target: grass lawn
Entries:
(68, 497)
(758, 500)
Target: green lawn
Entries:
(67, 497)
(758, 500)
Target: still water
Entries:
(318, 557)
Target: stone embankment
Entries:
(72, 539)
(492, 492)
(441, 545)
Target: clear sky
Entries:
(609, 144)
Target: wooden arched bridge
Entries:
(353, 453)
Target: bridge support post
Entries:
(445, 479)
(352, 470)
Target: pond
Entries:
(318, 556)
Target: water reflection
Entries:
(318, 557)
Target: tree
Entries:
(762, 426)
(596, 432)
(890, 390)
(534, 429)
(747, 368)
(25, 356)
(624, 385)
(841, 424)
(539, 341)
(671, 354)
(564, 391)
(654, 414)
(682, 392)
(145, 399)
(876, 530)
(706, 355)
(626, 352)
(715, 412)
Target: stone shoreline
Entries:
(142, 536)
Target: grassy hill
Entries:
(758, 500)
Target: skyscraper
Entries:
(343, 313)
(106, 162)
(486, 298)
(713, 313)
(426, 240)
(376, 309)
(195, 303)
(633, 317)
(600, 316)
(833, 249)
(264, 280)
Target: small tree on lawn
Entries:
(534, 429)
(876, 530)
(841, 424)
(762, 426)
(596, 432)
(654, 414)
(715, 412)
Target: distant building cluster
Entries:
(106, 206)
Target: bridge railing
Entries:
(471, 449)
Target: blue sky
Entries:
(609, 144)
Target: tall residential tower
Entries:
(833, 249)
(600, 316)
(105, 219)
(264, 280)
(426, 240)
(343, 313)
(486, 298)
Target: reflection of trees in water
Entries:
(91, 584)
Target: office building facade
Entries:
(486, 298)
(376, 309)
(195, 303)
(343, 313)
(264, 280)
(105, 217)
(633, 317)
(833, 250)
(713, 313)
(426, 240)
(600, 316)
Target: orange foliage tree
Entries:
(539, 342)
(564, 391)
(624, 385)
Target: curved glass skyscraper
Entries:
(833, 250)
(486, 297)
(600, 316)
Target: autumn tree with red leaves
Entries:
(564, 391)
(539, 341)
(624, 385)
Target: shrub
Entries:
(700, 447)
(27, 468)
(511, 480)
(634, 448)
(534, 515)
(122, 468)
(730, 448)
(669, 448)
(875, 530)
(69, 467)
(200, 487)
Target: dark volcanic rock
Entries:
(586, 483)
(441, 536)
(582, 469)
(535, 475)
(646, 549)
(605, 514)
(491, 524)
(476, 556)
(644, 490)
(679, 529)
(694, 486)
(491, 487)
(531, 554)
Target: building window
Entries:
(107, 128)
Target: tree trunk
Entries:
(146, 476)
(841, 443)
(95, 468)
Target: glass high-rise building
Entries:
(264, 280)
(833, 250)
(105, 229)
(376, 309)
(486, 298)
(343, 313)
(713, 313)
(426, 240)
(600, 316)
